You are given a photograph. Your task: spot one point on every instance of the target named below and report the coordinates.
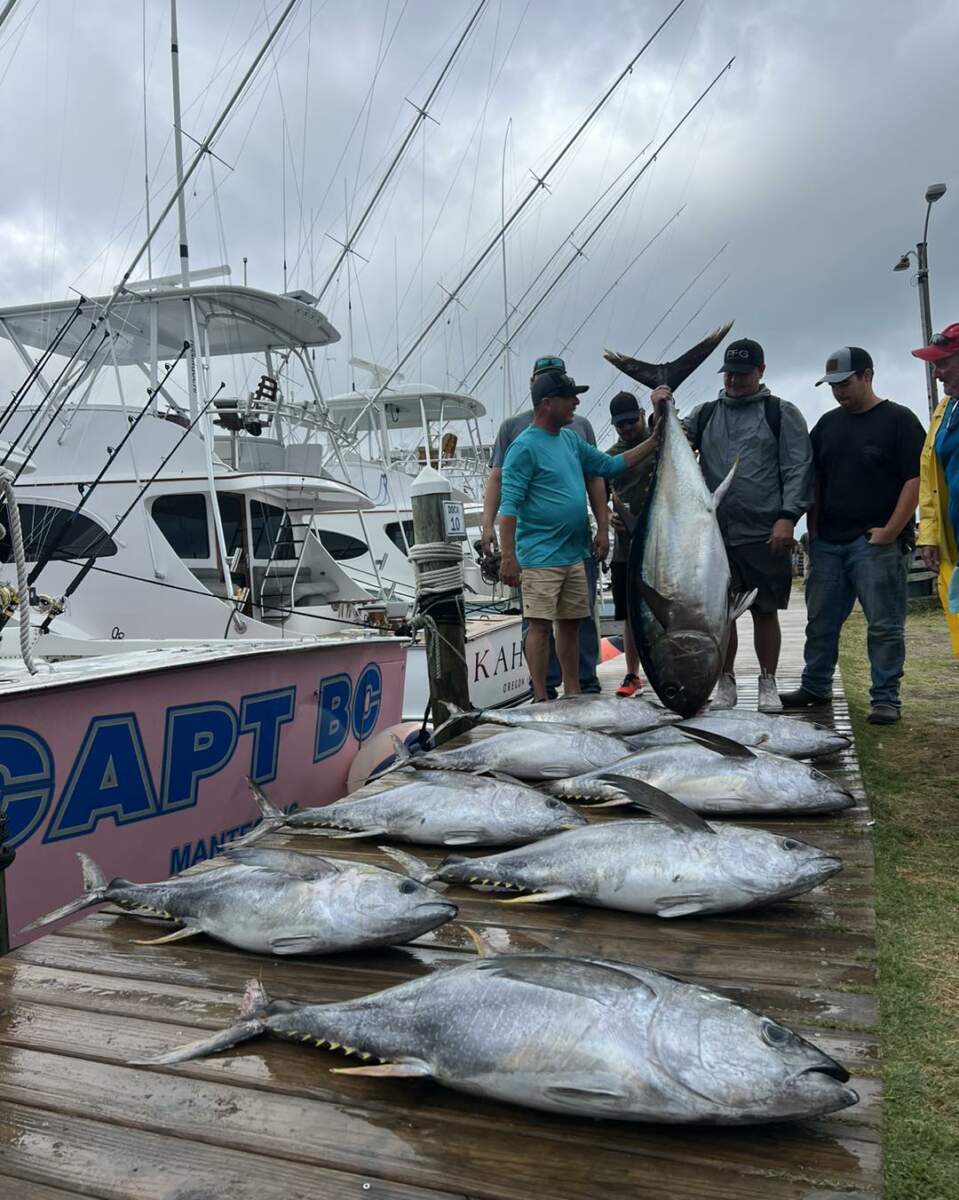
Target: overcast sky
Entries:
(808, 163)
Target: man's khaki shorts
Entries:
(555, 593)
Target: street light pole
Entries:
(934, 192)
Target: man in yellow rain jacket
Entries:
(937, 535)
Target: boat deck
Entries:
(268, 1119)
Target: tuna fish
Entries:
(723, 779)
(576, 1036)
(276, 902)
(681, 608)
(531, 752)
(789, 736)
(599, 714)
(435, 808)
(674, 866)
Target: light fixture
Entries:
(902, 264)
(934, 192)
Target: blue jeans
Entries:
(840, 574)
(588, 641)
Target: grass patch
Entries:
(911, 774)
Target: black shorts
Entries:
(617, 572)
(753, 565)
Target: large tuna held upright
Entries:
(679, 602)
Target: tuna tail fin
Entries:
(725, 485)
(95, 889)
(403, 759)
(272, 817)
(671, 373)
(740, 602)
(458, 714)
(253, 1012)
(421, 871)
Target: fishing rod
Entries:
(540, 182)
(422, 113)
(35, 371)
(515, 307)
(66, 396)
(53, 544)
(88, 564)
(578, 251)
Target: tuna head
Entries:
(526, 815)
(767, 867)
(384, 907)
(688, 664)
(730, 1065)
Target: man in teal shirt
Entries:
(543, 525)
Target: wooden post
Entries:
(440, 599)
(6, 858)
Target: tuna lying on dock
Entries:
(531, 752)
(276, 902)
(722, 779)
(435, 808)
(576, 1036)
(789, 736)
(674, 866)
(598, 714)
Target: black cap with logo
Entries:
(554, 383)
(744, 355)
(624, 409)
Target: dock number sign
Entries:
(454, 520)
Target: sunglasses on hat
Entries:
(549, 364)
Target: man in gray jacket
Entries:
(771, 489)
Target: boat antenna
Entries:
(539, 182)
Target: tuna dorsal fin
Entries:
(658, 605)
(593, 980)
(659, 804)
(715, 741)
(286, 862)
(671, 373)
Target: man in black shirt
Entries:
(866, 456)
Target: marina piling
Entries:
(439, 529)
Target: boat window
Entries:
(182, 521)
(272, 532)
(396, 537)
(341, 546)
(231, 514)
(46, 525)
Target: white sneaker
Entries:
(725, 694)
(769, 701)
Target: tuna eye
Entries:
(790, 844)
(407, 886)
(552, 804)
(775, 1035)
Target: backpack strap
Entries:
(772, 411)
(703, 417)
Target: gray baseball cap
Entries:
(846, 361)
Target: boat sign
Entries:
(147, 772)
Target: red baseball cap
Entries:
(943, 345)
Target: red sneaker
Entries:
(632, 685)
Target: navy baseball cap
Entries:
(555, 383)
(744, 355)
(624, 407)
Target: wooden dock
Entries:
(268, 1120)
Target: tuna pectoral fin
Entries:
(285, 862)
(540, 897)
(715, 741)
(177, 935)
(659, 804)
(482, 942)
(724, 486)
(95, 889)
(585, 1098)
(658, 605)
(680, 906)
(463, 837)
(740, 602)
(411, 1069)
(293, 943)
(346, 834)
